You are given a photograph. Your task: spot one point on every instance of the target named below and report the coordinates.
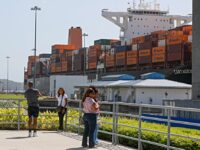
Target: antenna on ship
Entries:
(134, 4)
(168, 9)
(156, 5)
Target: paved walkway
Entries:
(46, 140)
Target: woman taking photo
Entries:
(90, 108)
(96, 141)
(62, 103)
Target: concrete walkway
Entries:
(46, 140)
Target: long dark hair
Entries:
(87, 93)
(95, 90)
(59, 90)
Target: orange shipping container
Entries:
(185, 38)
(110, 63)
(175, 33)
(131, 57)
(158, 54)
(92, 53)
(120, 55)
(58, 69)
(139, 39)
(162, 35)
(110, 60)
(158, 58)
(64, 66)
(32, 58)
(110, 57)
(92, 65)
(187, 28)
(172, 40)
(145, 52)
(158, 50)
(63, 47)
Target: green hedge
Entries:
(184, 143)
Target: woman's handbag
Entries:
(81, 121)
(59, 108)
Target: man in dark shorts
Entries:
(33, 108)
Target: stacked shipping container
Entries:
(159, 48)
(61, 59)
(31, 65)
(93, 55)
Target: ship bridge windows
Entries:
(121, 19)
(130, 19)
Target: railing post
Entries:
(168, 128)
(140, 129)
(66, 113)
(18, 115)
(80, 115)
(114, 122)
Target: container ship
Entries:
(150, 41)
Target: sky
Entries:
(54, 20)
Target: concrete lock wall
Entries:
(67, 82)
(155, 96)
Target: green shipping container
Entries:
(102, 42)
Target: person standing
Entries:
(96, 141)
(62, 104)
(32, 95)
(90, 108)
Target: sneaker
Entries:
(29, 134)
(35, 134)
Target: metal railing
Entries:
(115, 114)
(115, 122)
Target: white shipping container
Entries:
(190, 38)
(134, 47)
(129, 42)
(105, 47)
(161, 43)
(75, 52)
(108, 47)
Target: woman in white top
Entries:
(62, 104)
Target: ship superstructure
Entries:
(143, 20)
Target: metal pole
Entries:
(116, 123)
(35, 42)
(168, 128)
(7, 73)
(139, 129)
(84, 66)
(18, 116)
(80, 115)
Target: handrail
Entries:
(115, 121)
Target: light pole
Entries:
(35, 8)
(7, 73)
(84, 61)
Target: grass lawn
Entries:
(12, 96)
(16, 96)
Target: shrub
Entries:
(50, 122)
